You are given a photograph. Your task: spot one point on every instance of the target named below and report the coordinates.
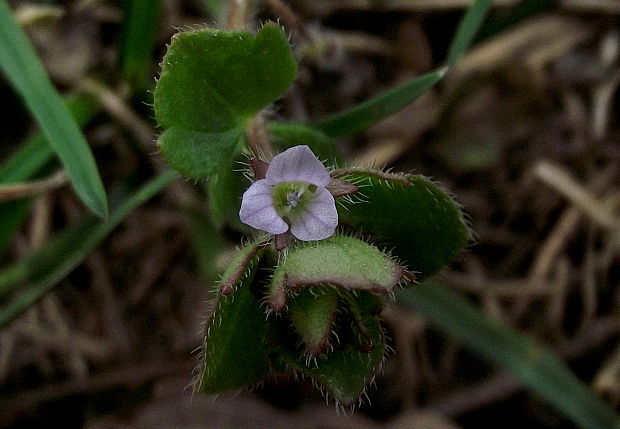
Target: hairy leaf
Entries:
(343, 373)
(214, 80)
(312, 312)
(421, 221)
(235, 351)
(197, 154)
(341, 261)
(212, 83)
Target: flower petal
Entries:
(257, 209)
(297, 163)
(319, 221)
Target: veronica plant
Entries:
(304, 296)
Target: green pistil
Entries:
(291, 198)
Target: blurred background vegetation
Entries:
(100, 332)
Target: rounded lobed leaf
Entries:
(214, 80)
(198, 154)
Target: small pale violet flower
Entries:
(292, 195)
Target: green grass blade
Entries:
(522, 11)
(532, 364)
(36, 152)
(372, 111)
(25, 72)
(27, 161)
(37, 273)
(33, 156)
(384, 105)
(12, 216)
(141, 23)
(467, 29)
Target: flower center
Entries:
(292, 198)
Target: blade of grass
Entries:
(467, 29)
(31, 158)
(36, 152)
(372, 111)
(525, 9)
(36, 274)
(140, 29)
(532, 364)
(12, 216)
(25, 72)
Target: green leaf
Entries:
(198, 154)
(235, 351)
(344, 374)
(422, 223)
(467, 29)
(367, 303)
(238, 266)
(531, 363)
(215, 80)
(313, 313)
(285, 135)
(341, 261)
(361, 307)
(25, 72)
(140, 29)
(212, 83)
(374, 110)
(37, 273)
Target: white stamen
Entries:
(292, 198)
